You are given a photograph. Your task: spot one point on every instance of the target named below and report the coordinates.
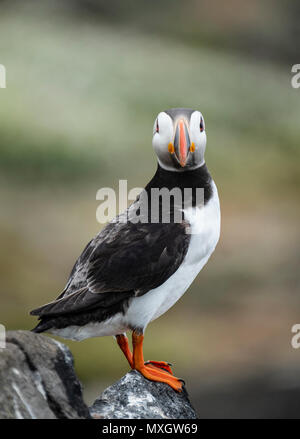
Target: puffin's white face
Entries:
(179, 139)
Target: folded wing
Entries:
(124, 260)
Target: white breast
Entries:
(205, 233)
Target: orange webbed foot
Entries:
(155, 374)
(160, 365)
(159, 371)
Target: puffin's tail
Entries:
(42, 326)
(49, 314)
(37, 329)
(78, 306)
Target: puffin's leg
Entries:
(122, 341)
(148, 371)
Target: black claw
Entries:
(169, 364)
(183, 382)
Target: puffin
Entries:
(141, 263)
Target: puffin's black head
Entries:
(179, 139)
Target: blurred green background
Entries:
(85, 80)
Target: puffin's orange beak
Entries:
(182, 142)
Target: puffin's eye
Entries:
(157, 127)
(201, 125)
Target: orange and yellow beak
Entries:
(181, 146)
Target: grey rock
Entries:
(37, 379)
(134, 397)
